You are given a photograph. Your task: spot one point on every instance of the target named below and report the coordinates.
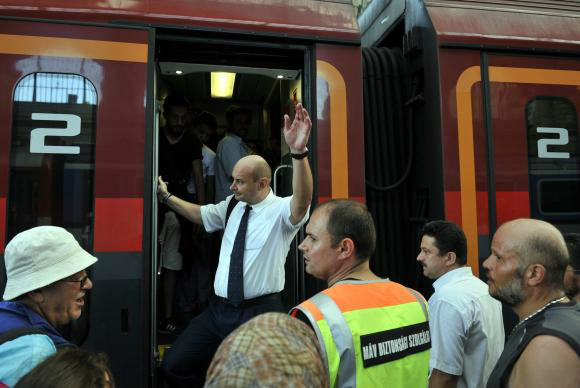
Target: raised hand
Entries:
(297, 133)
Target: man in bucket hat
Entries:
(45, 288)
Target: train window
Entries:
(553, 155)
(52, 154)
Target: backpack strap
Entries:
(19, 332)
(231, 206)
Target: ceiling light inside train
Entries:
(222, 84)
(179, 72)
(280, 76)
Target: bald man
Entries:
(272, 223)
(526, 270)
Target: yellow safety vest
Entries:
(373, 334)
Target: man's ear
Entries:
(451, 259)
(535, 274)
(346, 248)
(263, 183)
(36, 296)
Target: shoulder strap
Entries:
(231, 207)
(19, 332)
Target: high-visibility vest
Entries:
(373, 334)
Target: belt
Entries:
(251, 302)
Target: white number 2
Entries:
(73, 128)
(544, 143)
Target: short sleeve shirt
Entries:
(466, 324)
(230, 149)
(268, 240)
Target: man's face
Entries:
(244, 187)
(504, 278)
(240, 124)
(572, 282)
(203, 133)
(431, 260)
(177, 119)
(319, 256)
(63, 300)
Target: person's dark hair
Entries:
(573, 244)
(448, 237)
(207, 119)
(70, 368)
(351, 219)
(235, 110)
(175, 100)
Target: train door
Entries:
(267, 79)
(532, 107)
(72, 142)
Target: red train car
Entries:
(81, 85)
(493, 93)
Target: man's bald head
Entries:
(538, 242)
(257, 165)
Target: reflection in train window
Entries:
(553, 157)
(52, 154)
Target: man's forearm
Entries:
(189, 210)
(302, 188)
(440, 379)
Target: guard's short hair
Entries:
(573, 244)
(449, 237)
(205, 118)
(351, 219)
(175, 100)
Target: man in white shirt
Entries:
(466, 323)
(272, 222)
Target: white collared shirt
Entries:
(268, 240)
(467, 334)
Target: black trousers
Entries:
(185, 364)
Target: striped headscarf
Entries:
(271, 350)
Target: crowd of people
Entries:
(362, 331)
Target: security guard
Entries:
(373, 332)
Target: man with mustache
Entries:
(526, 270)
(466, 324)
(45, 288)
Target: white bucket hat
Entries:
(41, 256)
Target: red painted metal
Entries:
(2, 224)
(309, 18)
(503, 26)
(118, 224)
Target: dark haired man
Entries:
(572, 275)
(231, 148)
(373, 332)
(466, 323)
(179, 158)
(525, 270)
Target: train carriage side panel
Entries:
(48, 62)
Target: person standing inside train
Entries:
(46, 284)
(466, 324)
(361, 319)
(180, 157)
(231, 148)
(525, 270)
(257, 238)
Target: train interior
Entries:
(265, 81)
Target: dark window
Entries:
(52, 155)
(553, 156)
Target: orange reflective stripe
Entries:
(347, 296)
(316, 314)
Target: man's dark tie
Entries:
(236, 278)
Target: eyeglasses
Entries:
(82, 281)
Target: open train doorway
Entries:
(259, 84)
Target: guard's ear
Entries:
(36, 296)
(263, 183)
(346, 248)
(535, 274)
